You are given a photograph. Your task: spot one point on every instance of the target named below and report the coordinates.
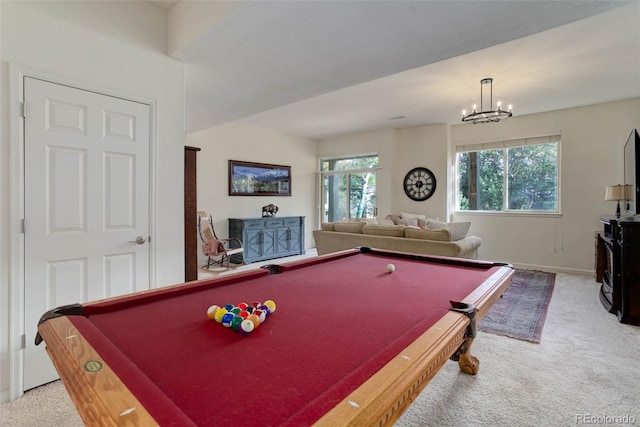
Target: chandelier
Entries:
(487, 116)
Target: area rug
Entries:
(521, 311)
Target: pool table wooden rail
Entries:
(100, 397)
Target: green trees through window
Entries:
(348, 188)
(529, 173)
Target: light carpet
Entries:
(586, 369)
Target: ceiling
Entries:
(325, 68)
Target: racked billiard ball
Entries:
(235, 323)
(211, 311)
(227, 319)
(246, 327)
(220, 314)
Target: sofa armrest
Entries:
(468, 244)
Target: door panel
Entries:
(268, 242)
(86, 202)
(284, 240)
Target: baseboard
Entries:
(4, 396)
(555, 269)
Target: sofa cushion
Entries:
(441, 235)
(327, 226)
(384, 230)
(349, 226)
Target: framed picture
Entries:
(258, 179)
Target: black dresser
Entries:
(618, 267)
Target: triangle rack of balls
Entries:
(242, 317)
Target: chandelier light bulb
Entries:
(474, 107)
(510, 107)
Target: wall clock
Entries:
(419, 184)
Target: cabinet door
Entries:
(629, 308)
(252, 243)
(295, 239)
(269, 247)
(283, 241)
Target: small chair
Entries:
(218, 251)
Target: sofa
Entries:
(442, 239)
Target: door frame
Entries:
(17, 198)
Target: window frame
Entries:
(505, 145)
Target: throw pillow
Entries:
(394, 218)
(408, 221)
(423, 220)
(411, 215)
(436, 225)
(459, 230)
(386, 220)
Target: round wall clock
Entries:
(419, 184)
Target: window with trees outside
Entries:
(509, 176)
(348, 188)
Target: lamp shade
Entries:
(614, 192)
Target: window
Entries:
(509, 176)
(348, 188)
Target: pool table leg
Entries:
(469, 364)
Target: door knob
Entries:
(139, 240)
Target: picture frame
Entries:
(258, 179)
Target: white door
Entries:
(86, 203)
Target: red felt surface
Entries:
(336, 324)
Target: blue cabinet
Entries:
(268, 238)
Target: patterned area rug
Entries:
(521, 311)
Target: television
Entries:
(632, 172)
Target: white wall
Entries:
(117, 46)
(236, 141)
(188, 20)
(423, 146)
(592, 145)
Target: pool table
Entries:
(348, 344)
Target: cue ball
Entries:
(391, 268)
